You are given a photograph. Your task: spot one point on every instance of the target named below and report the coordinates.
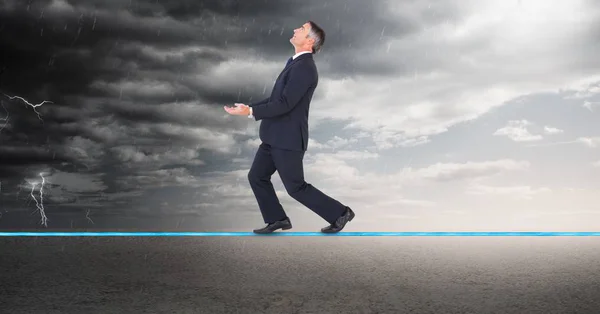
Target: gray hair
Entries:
(318, 34)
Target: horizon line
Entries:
(351, 234)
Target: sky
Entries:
(429, 115)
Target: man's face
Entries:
(299, 38)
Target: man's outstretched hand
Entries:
(238, 110)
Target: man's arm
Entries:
(252, 104)
(301, 79)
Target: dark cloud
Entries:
(27, 155)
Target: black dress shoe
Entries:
(284, 224)
(340, 223)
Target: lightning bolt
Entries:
(87, 215)
(34, 106)
(40, 204)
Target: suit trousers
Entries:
(288, 164)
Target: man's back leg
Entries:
(291, 170)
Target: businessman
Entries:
(284, 136)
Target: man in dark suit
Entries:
(284, 136)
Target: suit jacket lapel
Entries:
(300, 57)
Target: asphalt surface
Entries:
(300, 275)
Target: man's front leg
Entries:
(259, 178)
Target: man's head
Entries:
(309, 37)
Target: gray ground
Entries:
(300, 275)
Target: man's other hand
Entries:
(238, 110)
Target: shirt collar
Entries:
(299, 53)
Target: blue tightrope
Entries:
(297, 234)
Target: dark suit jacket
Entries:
(284, 115)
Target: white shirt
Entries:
(293, 58)
(299, 53)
